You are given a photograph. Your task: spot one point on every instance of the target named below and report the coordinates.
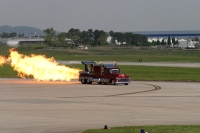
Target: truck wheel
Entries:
(83, 81)
(99, 83)
(113, 82)
(126, 84)
(88, 81)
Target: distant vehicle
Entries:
(102, 74)
(82, 47)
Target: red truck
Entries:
(102, 74)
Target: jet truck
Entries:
(102, 74)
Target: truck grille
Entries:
(123, 80)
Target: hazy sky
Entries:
(116, 15)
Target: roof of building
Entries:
(169, 33)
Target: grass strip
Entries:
(6, 71)
(107, 54)
(149, 129)
(155, 73)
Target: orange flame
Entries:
(40, 67)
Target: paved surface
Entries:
(168, 64)
(28, 106)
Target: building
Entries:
(36, 40)
(185, 38)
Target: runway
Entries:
(166, 64)
(28, 106)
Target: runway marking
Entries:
(122, 94)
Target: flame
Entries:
(40, 68)
(2, 60)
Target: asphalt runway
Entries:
(28, 106)
(166, 64)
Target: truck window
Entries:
(89, 67)
(116, 71)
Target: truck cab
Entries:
(102, 74)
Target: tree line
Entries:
(92, 37)
(89, 37)
(128, 38)
(10, 35)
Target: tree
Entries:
(100, 37)
(128, 36)
(75, 35)
(12, 35)
(163, 42)
(85, 37)
(21, 35)
(50, 37)
(177, 42)
(157, 42)
(169, 40)
(173, 40)
(5, 35)
(196, 39)
(112, 34)
(91, 36)
(119, 37)
(61, 39)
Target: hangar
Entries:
(17, 41)
(185, 38)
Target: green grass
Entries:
(111, 54)
(132, 58)
(6, 71)
(146, 57)
(154, 73)
(150, 129)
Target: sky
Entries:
(107, 15)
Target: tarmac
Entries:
(28, 106)
(166, 64)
